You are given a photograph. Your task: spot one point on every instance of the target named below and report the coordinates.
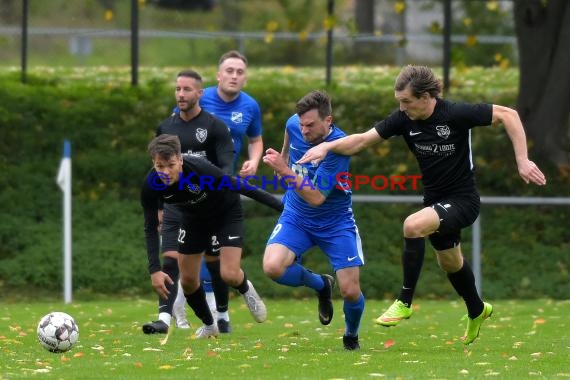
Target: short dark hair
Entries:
(232, 54)
(190, 74)
(315, 99)
(421, 79)
(164, 146)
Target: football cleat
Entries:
(224, 326)
(255, 304)
(206, 331)
(326, 310)
(395, 314)
(156, 327)
(474, 325)
(350, 342)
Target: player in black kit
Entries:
(213, 209)
(200, 134)
(438, 132)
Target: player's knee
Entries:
(272, 269)
(412, 227)
(231, 276)
(189, 283)
(350, 293)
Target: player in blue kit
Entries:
(237, 109)
(318, 212)
(242, 115)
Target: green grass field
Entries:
(523, 339)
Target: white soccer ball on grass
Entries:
(57, 332)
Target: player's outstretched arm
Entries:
(203, 167)
(528, 170)
(261, 196)
(347, 146)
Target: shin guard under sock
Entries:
(463, 282)
(170, 267)
(197, 302)
(412, 262)
(221, 289)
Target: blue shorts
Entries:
(339, 241)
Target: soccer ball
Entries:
(57, 332)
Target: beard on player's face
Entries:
(186, 105)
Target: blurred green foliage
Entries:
(255, 27)
(110, 124)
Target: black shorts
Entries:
(212, 231)
(171, 220)
(455, 213)
(171, 217)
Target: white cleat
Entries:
(179, 314)
(206, 331)
(182, 324)
(255, 304)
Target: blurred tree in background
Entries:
(475, 18)
(543, 30)
(8, 12)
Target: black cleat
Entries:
(224, 326)
(325, 300)
(156, 327)
(350, 343)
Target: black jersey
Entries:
(203, 191)
(441, 144)
(204, 136)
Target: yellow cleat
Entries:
(474, 325)
(397, 312)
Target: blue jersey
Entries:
(242, 115)
(326, 177)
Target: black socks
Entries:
(220, 288)
(412, 262)
(463, 282)
(170, 267)
(197, 302)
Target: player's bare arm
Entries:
(284, 151)
(255, 151)
(285, 147)
(528, 170)
(310, 194)
(348, 146)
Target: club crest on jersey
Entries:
(192, 188)
(201, 134)
(443, 131)
(237, 117)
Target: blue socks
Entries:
(352, 315)
(297, 275)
